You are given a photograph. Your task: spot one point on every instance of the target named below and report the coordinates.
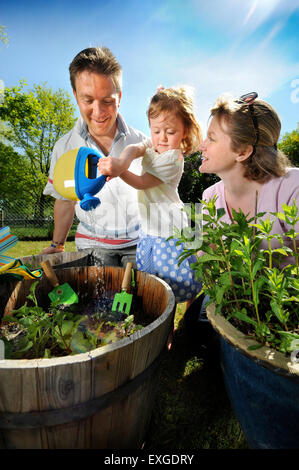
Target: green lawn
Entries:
(192, 410)
(29, 248)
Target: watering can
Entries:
(75, 177)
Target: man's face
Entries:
(98, 102)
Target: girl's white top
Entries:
(160, 207)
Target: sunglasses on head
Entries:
(249, 99)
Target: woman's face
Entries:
(217, 154)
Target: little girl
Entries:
(175, 133)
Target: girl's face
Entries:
(167, 132)
(217, 154)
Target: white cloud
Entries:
(227, 73)
(246, 15)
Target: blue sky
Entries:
(216, 46)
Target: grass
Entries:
(35, 232)
(191, 409)
(29, 248)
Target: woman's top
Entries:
(274, 193)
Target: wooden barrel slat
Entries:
(41, 385)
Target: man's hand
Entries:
(50, 249)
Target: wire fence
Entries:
(30, 221)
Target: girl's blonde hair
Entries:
(180, 101)
(267, 160)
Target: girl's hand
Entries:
(112, 167)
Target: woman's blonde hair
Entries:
(180, 101)
(266, 160)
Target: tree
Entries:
(35, 120)
(290, 145)
(14, 175)
(3, 35)
(193, 183)
(4, 40)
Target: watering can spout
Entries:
(75, 177)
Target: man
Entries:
(111, 230)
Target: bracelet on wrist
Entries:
(60, 246)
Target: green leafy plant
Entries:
(252, 284)
(42, 334)
(31, 332)
(96, 331)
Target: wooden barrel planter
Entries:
(67, 259)
(57, 260)
(101, 399)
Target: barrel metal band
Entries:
(38, 419)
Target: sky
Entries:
(215, 46)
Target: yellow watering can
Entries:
(75, 176)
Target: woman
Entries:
(241, 148)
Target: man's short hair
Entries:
(99, 60)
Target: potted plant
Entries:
(254, 293)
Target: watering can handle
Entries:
(127, 277)
(83, 184)
(50, 273)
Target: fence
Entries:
(30, 222)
